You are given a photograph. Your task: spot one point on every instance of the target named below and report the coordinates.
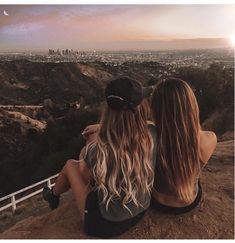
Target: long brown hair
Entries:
(176, 114)
(124, 156)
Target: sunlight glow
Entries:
(232, 40)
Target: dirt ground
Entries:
(212, 219)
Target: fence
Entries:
(13, 195)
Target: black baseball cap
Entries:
(124, 93)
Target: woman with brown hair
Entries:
(183, 148)
(113, 180)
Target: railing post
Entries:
(13, 202)
(49, 183)
(12, 196)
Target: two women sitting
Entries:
(129, 159)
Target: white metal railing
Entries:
(13, 195)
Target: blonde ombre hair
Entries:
(123, 158)
(176, 113)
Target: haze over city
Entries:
(115, 27)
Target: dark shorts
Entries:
(176, 210)
(96, 225)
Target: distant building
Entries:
(50, 52)
(58, 52)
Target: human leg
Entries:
(74, 175)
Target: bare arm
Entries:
(207, 144)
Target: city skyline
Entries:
(115, 27)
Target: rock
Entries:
(194, 217)
(212, 219)
(209, 169)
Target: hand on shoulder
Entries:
(90, 130)
(150, 123)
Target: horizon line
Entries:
(120, 50)
(218, 42)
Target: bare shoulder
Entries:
(208, 135)
(208, 141)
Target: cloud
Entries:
(24, 28)
(96, 26)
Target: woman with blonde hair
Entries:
(183, 148)
(113, 180)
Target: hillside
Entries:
(30, 145)
(59, 100)
(213, 219)
(35, 146)
(25, 82)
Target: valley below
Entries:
(44, 107)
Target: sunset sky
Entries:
(115, 27)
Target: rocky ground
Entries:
(212, 219)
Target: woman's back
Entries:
(182, 147)
(116, 211)
(164, 192)
(121, 157)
